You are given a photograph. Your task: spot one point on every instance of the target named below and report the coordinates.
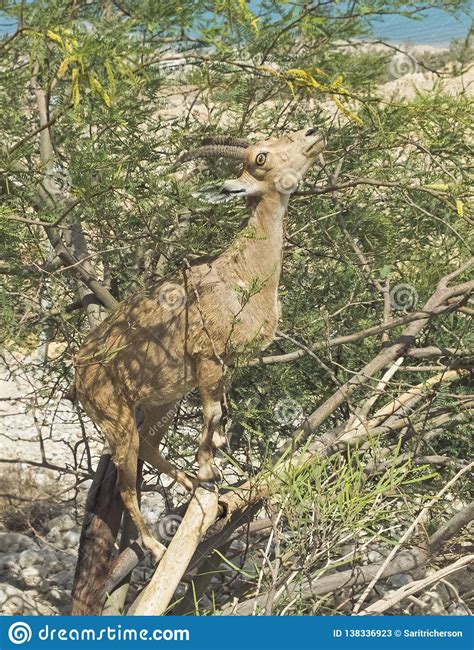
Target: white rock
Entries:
(49, 556)
(435, 604)
(463, 580)
(152, 508)
(30, 558)
(13, 606)
(399, 580)
(238, 545)
(68, 560)
(375, 556)
(71, 539)
(33, 576)
(458, 609)
(16, 542)
(53, 566)
(63, 579)
(8, 562)
(14, 602)
(61, 523)
(57, 594)
(54, 536)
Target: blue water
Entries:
(435, 27)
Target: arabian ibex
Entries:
(158, 346)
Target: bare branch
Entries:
(201, 513)
(451, 527)
(357, 336)
(388, 602)
(421, 515)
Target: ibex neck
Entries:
(257, 251)
(268, 215)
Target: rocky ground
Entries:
(36, 575)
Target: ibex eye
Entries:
(260, 159)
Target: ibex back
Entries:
(157, 347)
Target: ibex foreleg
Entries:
(211, 397)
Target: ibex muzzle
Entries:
(182, 334)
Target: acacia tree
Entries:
(98, 101)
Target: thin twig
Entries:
(421, 515)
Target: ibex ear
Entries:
(231, 189)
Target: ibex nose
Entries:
(310, 132)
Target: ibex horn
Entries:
(213, 151)
(228, 140)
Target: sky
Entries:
(436, 28)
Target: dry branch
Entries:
(321, 586)
(404, 562)
(404, 401)
(387, 602)
(355, 337)
(419, 518)
(451, 527)
(157, 595)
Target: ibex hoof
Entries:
(155, 547)
(210, 486)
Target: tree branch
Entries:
(360, 335)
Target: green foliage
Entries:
(339, 497)
(117, 133)
(130, 85)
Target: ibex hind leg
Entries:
(156, 422)
(125, 451)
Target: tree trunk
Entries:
(100, 527)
